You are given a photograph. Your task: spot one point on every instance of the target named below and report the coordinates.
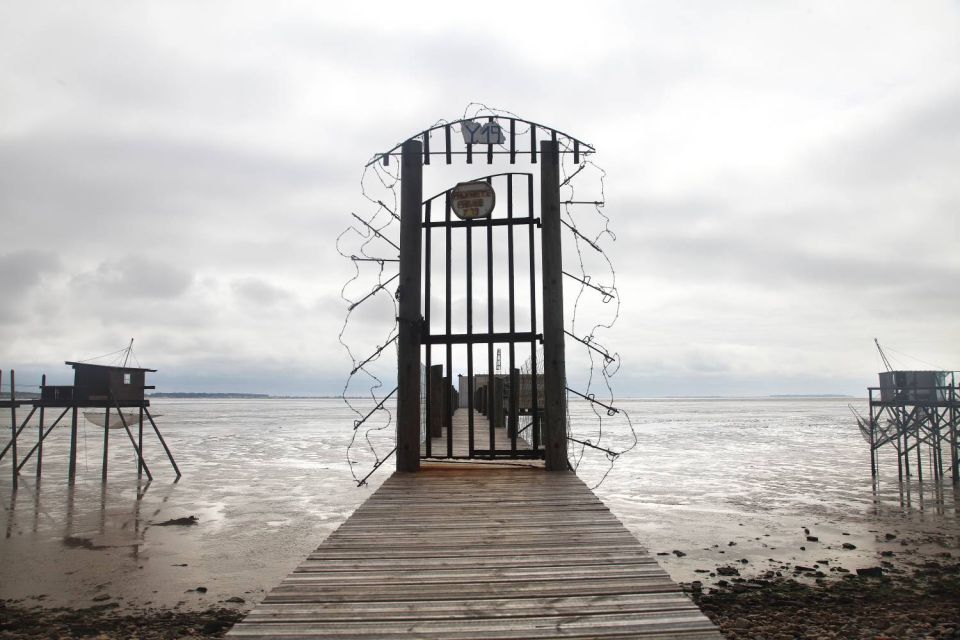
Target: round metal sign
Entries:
(472, 200)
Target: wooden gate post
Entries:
(554, 359)
(408, 338)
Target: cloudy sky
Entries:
(782, 177)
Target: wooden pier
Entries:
(479, 550)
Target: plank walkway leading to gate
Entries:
(478, 551)
(461, 438)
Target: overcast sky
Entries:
(782, 177)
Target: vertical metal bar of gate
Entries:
(512, 423)
(428, 231)
(470, 441)
(534, 402)
(447, 396)
(491, 387)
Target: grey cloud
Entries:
(20, 274)
(22, 270)
(799, 247)
(920, 146)
(133, 276)
(137, 175)
(725, 258)
(259, 292)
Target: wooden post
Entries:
(938, 450)
(497, 404)
(554, 358)
(408, 340)
(447, 397)
(13, 426)
(72, 472)
(106, 442)
(163, 442)
(43, 383)
(436, 401)
(954, 459)
(140, 444)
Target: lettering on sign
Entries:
(471, 200)
(476, 133)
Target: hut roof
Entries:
(102, 366)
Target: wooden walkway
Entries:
(461, 437)
(466, 550)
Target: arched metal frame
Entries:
(513, 146)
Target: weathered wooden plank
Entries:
(292, 592)
(391, 564)
(445, 609)
(662, 624)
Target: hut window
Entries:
(126, 378)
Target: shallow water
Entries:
(269, 480)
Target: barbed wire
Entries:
(610, 361)
(373, 227)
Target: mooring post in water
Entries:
(408, 341)
(554, 359)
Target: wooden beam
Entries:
(409, 332)
(554, 358)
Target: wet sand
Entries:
(898, 537)
(266, 487)
(105, 562)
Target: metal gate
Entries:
(534, 415)
(480, 282)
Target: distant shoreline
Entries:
(189, 395)
(233, 396)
